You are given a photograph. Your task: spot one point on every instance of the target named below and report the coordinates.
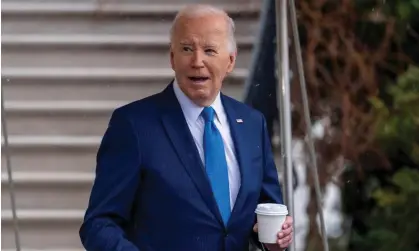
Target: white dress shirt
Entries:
(196, 124)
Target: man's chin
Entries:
(202, 98)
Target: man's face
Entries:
(200, 56)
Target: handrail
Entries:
(9, 173)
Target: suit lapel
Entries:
(238, 130)
(178, 131)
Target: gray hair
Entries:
(196, 10)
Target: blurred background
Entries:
(66, 64)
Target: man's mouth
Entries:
(198, 78)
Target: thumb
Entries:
(255, 228)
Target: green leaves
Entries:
(394, 223)
(397, 126)
(415, 4)
(407, 183)
(407, 180)
(386, 198)
(404, 10)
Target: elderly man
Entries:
(185, 169)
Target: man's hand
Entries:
(284, 236)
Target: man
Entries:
(185, 169)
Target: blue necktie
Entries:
(216, 164)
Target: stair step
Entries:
(53, 159)
(73, 89)
(104, 25)
(43, 229)
(47, 191)
(48, 178)
(67, 107)
(53, 141)
(95, 52)
(112, 8)
(76, 84)
(43, 215)
(49, 118)
(58, 117)
(98, 40)
(97, 73)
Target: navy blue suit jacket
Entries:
(151, 192)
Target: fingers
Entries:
(285, 242)
(285, 236)
(288, 222)
(285, 232)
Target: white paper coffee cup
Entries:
(270, 218)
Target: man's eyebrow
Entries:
(210, 45)
(185, 43)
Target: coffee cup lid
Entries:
(271, 209)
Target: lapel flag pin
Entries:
(239, 120)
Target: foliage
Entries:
(392, 221)
(397, 127)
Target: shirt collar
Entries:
(193, 111)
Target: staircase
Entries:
(66, 65)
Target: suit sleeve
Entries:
(271, 191)
(116, 183)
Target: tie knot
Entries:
(208, 114)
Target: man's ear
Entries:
(232, 62)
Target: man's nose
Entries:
(198, 60)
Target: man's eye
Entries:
(210, 51)
(187, 48)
